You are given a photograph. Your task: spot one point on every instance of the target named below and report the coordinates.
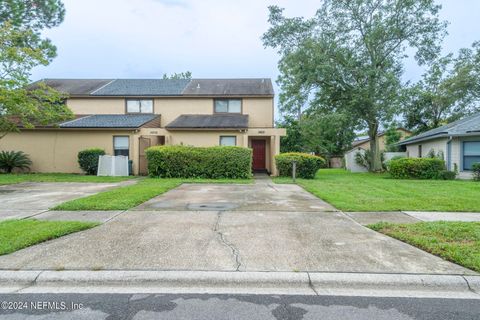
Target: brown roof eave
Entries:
(74, 129)
(171, 96)
(205, 129)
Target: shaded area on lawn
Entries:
(131, 196)
(378, 192)
(458, 242)
(55, 177)
(19, 234)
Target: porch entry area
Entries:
(261, 153)
(144, 143)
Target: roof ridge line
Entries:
(93, 92)
(67, 122)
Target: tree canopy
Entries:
(22, 48)
(181, 75)
(449, 90)
(348, 58)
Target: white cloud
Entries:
(211, 38)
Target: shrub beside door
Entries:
(199, 162)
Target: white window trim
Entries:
(220, 140)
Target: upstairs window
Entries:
(228, 106)
(471, 154)
(139, 106)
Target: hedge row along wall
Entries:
(417, 168)
(199, 162)
(307, 164)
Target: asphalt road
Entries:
(210, 307)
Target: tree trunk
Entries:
(376, 160)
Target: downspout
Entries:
(449, 153)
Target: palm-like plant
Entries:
(10, 160)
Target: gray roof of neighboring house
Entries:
(110, 121)
(161, 87)
(205, 121)
(466, 126)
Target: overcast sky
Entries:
(210, 38)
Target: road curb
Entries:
(305, 283)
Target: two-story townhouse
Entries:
(126, 116)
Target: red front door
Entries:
(258, 147)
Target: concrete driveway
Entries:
(30, 198)
(261, 227)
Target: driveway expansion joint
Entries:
(223, 240)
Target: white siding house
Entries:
(459, 142)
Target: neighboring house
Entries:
(126, 116)
(361, 144)
(458, 141)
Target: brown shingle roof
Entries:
(161, 87)
(205, 121)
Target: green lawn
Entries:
(131, 196)
(377, 192)
(55, 177)
(458, 242)
(19, 234)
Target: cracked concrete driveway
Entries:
(26, 199)
(260, 227)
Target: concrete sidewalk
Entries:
(303, 283)
(366, 218)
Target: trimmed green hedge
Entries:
(307, 164)
(199, 162)
(476, 171)
(417, 168)
(88, 159)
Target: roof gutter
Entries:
(206, 129)
(443, 135)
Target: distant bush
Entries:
(307, 165)
(417, 168)
(199, 162)
(88, 160)
(447, 175)
(476, 171)
(10, 160)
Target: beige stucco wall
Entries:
(171, 108)
(260, 110)
(202, 138)
(97, 105)
(56, 151)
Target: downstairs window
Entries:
(471, 154)
(121, 146)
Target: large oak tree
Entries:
(349, 57)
